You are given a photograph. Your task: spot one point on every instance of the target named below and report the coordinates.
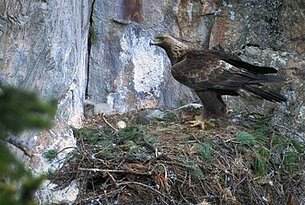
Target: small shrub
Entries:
(50, 155)
(205, 150)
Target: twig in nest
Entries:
(112, 179)
(196, 139)
(103, 116)
(241, 181)
(67, 155)
(183, 196)
(293, 131)
(100, 170)
(111, 170)
(165, 172)
(144, 185)
(165, 179)
(156, 152)
(66, 148)
(176, 164)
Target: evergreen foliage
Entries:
(20, 110)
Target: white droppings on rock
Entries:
(148, 67)
(301, 115)
(189, 11)
(91, 108)
(110, 100)
(102, 108)
(232, 15)
(138, 84)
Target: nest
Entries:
(169, 162)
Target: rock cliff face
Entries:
(43, 47)
(124, 71)
(99, 50)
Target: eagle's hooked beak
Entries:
(151, 43)
(156, 41)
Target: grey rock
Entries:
(146, 116)
(43, 47)
(72, 50)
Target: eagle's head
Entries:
(174, 48)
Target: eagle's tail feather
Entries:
(261, 78)
(269, 79)
(265, 93)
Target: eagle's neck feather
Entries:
(177, 51)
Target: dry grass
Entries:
(167, 162)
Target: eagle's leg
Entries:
(213, 108)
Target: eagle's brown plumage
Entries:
(213, 73)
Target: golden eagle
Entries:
(213, 73)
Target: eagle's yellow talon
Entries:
(205, 125)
